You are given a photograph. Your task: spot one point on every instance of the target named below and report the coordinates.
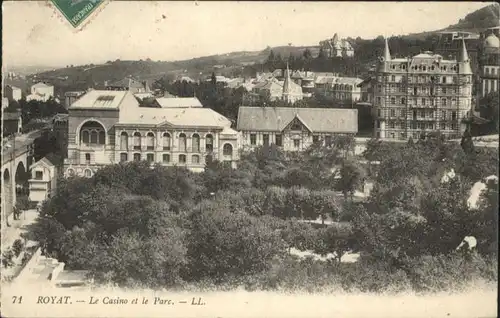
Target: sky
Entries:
(35, 33)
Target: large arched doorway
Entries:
(227, 154)
(22, 186)
(7, 196)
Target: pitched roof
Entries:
(41, 84)
(347, 80)
(131, 113)
(100, 99)
(327, 120)
(49, 160)
(178, 102)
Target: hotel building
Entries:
(418, 95)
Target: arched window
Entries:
(93, 137)
(85, 136)
(166, 141)
(70, 172)
(195, 159)
(137, 157)
(150, 141)
(182, 142)
(124, 141)
(88, 173)
(137, 141)
(182, 158)
(209, 143)
(166, 158)
(227, 150)
(102, 137)
(196, 143)
(90, 133)
(123, 157)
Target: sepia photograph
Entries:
(230, 159)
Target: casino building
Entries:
(107, 127)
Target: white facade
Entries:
(121, 131)
(41, 92)
(13, 93)
(43, 180)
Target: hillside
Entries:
(237, 63)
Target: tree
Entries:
(213, 79)
(352, 177)
(336, 238)
(467, 143)
(224, 245)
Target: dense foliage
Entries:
(133, 224)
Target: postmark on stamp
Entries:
(77, 11)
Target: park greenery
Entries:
(138, 225)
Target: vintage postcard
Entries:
(249, 159)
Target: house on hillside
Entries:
(128, 84)
(336, 47)
(293, 129)
(13, 93)
(43, 179)
(40, 92)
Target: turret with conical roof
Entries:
(286, 85)
(464, 61)
(387, 52)
(383, 65)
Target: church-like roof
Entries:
(325, 120)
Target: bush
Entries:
(17, 247)
(450, 272)
(7, 257)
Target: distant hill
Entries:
(478, 20)
(83, 76)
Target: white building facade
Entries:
(108, 127)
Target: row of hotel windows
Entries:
(424, 68)
(419, 125)
(423, 101)
(490, 70)
(425, 79)
(415, 135)
(393, 88)
(167, 142)
(421, 113)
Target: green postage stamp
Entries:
(77, 11)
